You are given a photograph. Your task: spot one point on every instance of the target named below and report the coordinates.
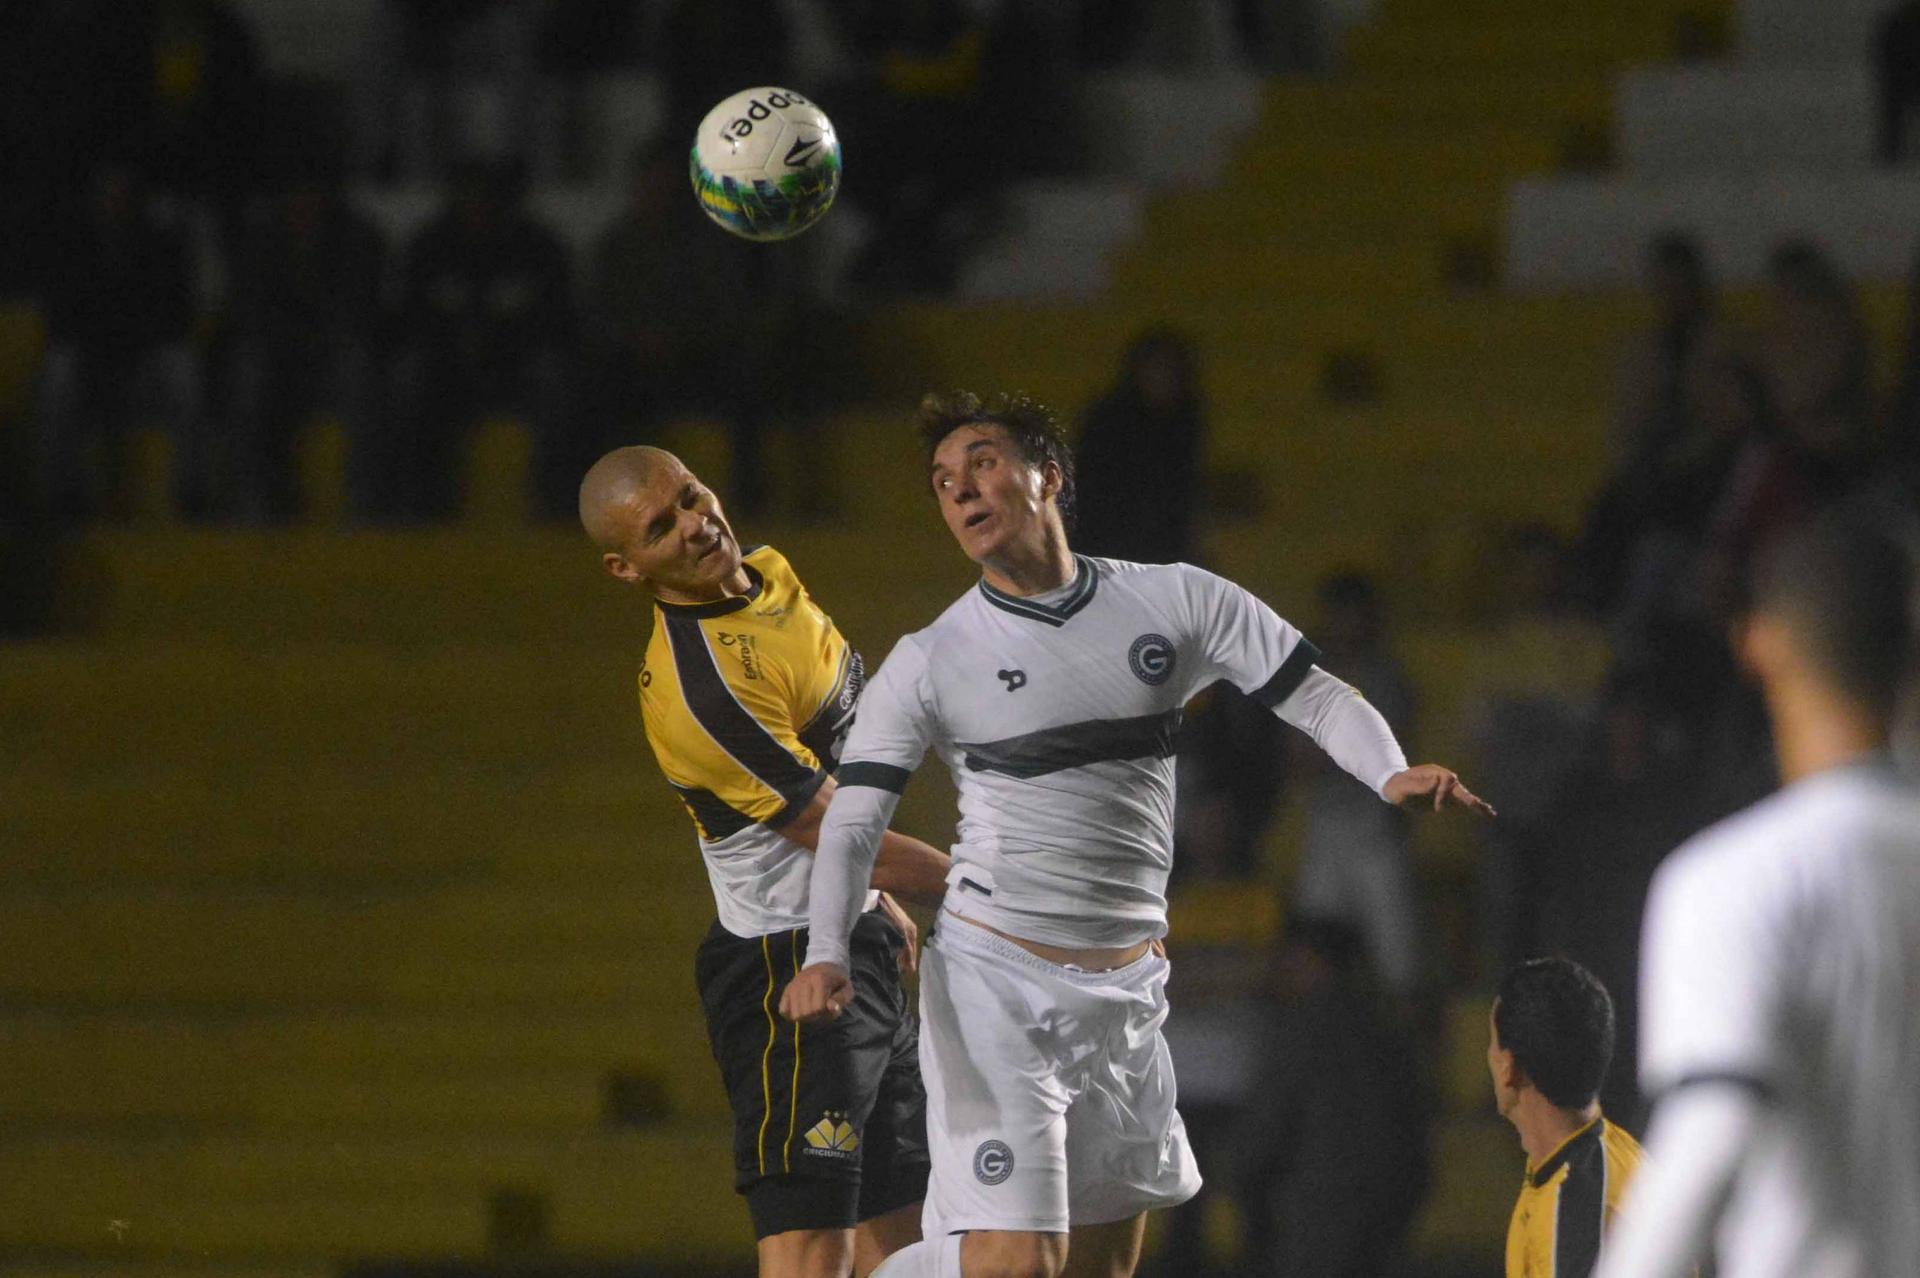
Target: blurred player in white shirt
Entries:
(1781, 964)
(1053, 692)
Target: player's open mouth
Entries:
(978, 517)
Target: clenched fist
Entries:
(818, 992)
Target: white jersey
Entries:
(1057, 715)
(1782, 952)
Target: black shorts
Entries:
(830, 1120)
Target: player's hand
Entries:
(818, 992)
(1415, 783)
(910, 953)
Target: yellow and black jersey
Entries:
(745, 702)
(1569, 1201)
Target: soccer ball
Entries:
(766, 164)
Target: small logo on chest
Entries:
(1014, 679)
(744, 648)
(1151, 659)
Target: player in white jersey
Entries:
(1780, 973)
(1053, 691)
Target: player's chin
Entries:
(981, 541)
(718, 563)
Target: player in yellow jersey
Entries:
(1551, 1043)
(746, 691)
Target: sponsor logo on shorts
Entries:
(1152, 658)
(992, 1162)
(833, 1137)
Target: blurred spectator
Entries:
(307, 309)
(1689, 405)
(1813, 356)
(205, 92)
(1148, 431)
(170, 85)
(484, 325)
(117, 295)
(955, 101)
(1653, 413)
(670, 335)
(1768, 485)
(59, 125)
(1333, 1151)
(931, 178)
(1897, 66)
(1356, 865)
(1531, 689)
(461, 75)
(586, 56)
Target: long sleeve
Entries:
(1345, 725)
(1247, 643)
(890, 734)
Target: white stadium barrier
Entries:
(1744, 118)
(1591, 233)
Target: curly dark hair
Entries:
(1030, 424)
(1557, 1019)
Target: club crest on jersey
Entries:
(992, 1162)
(1014, 679)
(833, 1136)
(1152, 658)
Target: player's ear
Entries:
(1052, 479)
(619, 567)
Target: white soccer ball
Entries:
(766, 163)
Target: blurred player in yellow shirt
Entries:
(1550, 1044)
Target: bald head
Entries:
(610, 494)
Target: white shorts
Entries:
(1049, 1090)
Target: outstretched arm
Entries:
(1247, 643)
(1345, 725)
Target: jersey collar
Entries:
(1086, 580)
(718, 607)
(1568, 1148)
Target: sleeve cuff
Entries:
(1288, 678)
(825, 952)
(880, 776)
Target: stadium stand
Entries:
(1777, 141)
(341, 849)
